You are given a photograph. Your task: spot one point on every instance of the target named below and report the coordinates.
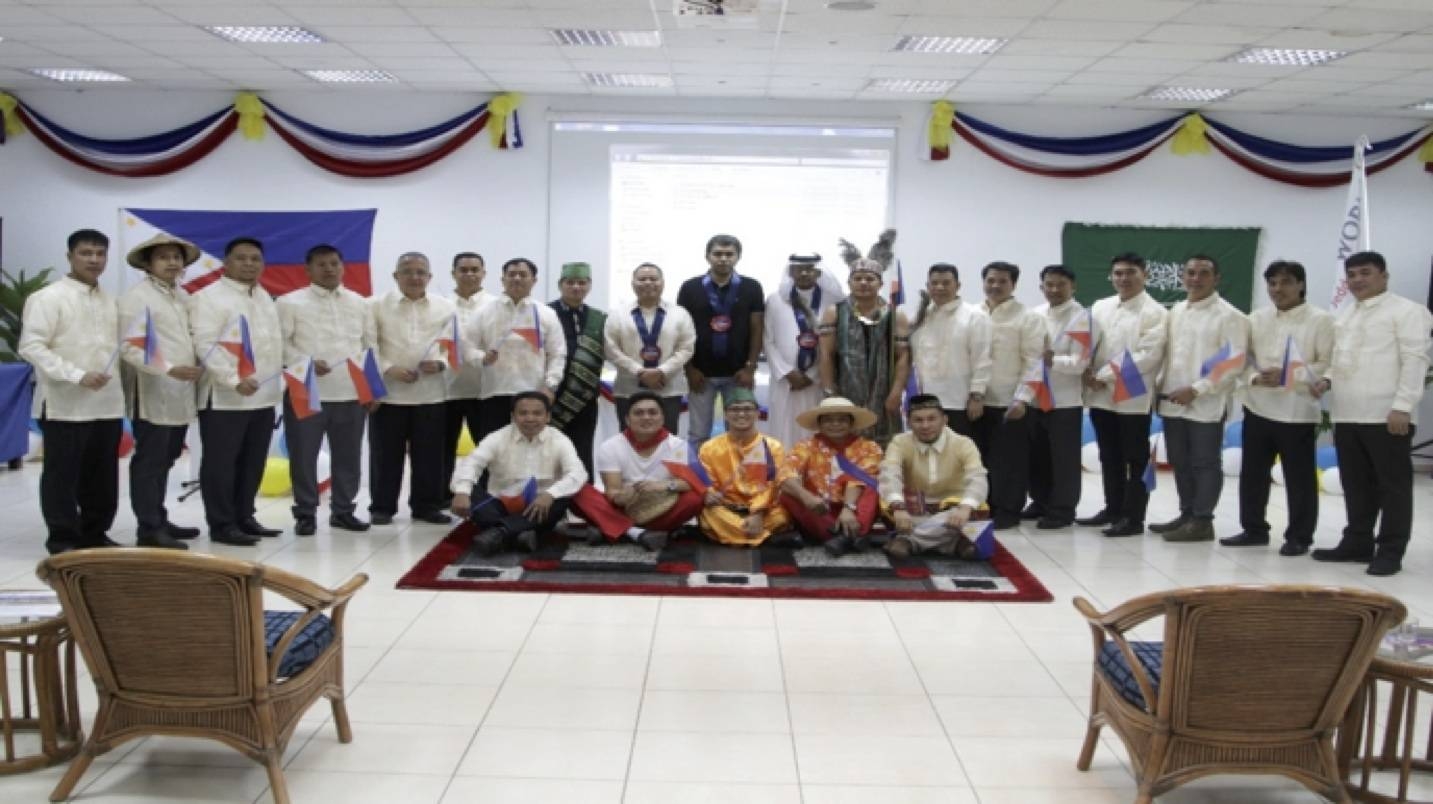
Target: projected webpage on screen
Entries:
(666, 202)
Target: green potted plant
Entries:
(14, 290)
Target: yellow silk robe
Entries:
(745, 477)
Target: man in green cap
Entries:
(574, 410)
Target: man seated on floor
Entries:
(828, 481)
(931, 481)
(741, 505)
(642, 499)
(533, 471)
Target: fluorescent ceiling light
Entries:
(643, 80)
(76, 74)
(351, 76)
(911, 86)
(960, 45)
(574, 37)
(266, 34)
(1423, 106)
(1192, 94)
(1286, 57)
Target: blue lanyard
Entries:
(649, 339)
(721, 310)
(806, 357)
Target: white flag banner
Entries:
(1353, 233)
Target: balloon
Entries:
(276, 482)
(1087, 430)
(1234, 435)
(465, 441)
(1233, 459)
(1156, 424)
(1090, 457)
(1326, 456)
(1330, 482)
(126, 444)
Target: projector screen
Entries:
(624, 194)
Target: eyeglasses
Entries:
(741, 411)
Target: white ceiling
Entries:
(1078, 52)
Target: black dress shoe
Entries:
(1384, 566)
(1032, 511)
(252, 527)
(106, 541)
(838, 546)
(159, 538)
(1293, 549)
(305, 526)
(487, 543)
(1124, 527)
(433, 518)
(1170, 526)
(347, 522)
(1098, 520)
(1053, 523)
(380, 519)
(1343, 555)
(180, 532)
(1006, 522)
(789, 539)
(527, 541)
(232, 535)
(1245, 540)
(654, 540)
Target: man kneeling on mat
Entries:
(931, 463)
(642, 498)
(534, 470)
(827, 481)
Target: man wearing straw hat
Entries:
(931, 481)
(69, 333)
(329, 324)
(159, 372)
(414, 331)
(235, 326)
(828, 481)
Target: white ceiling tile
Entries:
(516, 67)
(847, 42)
(848, 70)
(1408, 92)
(51, 33)
(741, 81)
(1081, 29)
(1109, 79)
(1266, 71)
(24, 15)
(1119, 10)
(1164, 51)
(229, 14)
(1149, 66)
(936, 73)
(629, 5)
(506, 36)
(987, 8)
(215, 47)
(1396, 5)
(826, 83)
(376, 33)
(339, 15)
(1335, 71)
(223, 64)
(631, 55)
(111, 15)
(1309, 39)
(1389, 61)
(24, 61)
(925, 25)
(721, 92)
(708, 68)
(611, 19)
(18, 50)
(498, 52)
(476, 17)
(840, 23)
(1207, 34)
(828, 56)
(710, 37)
(1423, 79)
(1411, 44)
(617, 65)
(1258, 14)
(1017, 61)
(707, 55)
(349, 62)
(1055, 47)
(159, 33)
(1093, 91)
(1306, 87)
(93, 49)
(1361, 19)
(987, 75)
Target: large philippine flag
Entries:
(287, 237)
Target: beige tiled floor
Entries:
(464, 697)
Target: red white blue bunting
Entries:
(359, 155)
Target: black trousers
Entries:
(1124, 454)
(1008, 462)
(1055, 460)
(958, 421)
(1293, 444)
(1377, 473)
(156, 448)
(79, 482)
(458, 412)
(489, 512)
(414, 432)
(342, 422)
(236, 445)
(582, 429)
(671, 412)
(982, 431)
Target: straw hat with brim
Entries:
(139, 255)
(833, 405)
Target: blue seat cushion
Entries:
(1112, 663)
(307, 646)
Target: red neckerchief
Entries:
(643, 446)
(839, 449)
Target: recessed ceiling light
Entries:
(76, 74)
(911, 86)
(351, 76)
(961, 45)
(266, 34)
(1286, 57)
(1195, 94)
(1423, 106)
(642, 80)
(574, 37)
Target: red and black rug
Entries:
(691, 566)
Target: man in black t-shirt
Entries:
(727, 310)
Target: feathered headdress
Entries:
(877, 260)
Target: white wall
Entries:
(968, 210)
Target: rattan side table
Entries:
(48, 701)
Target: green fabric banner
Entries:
(1087, 249)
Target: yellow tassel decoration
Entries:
(498, 110)
(942, 114)
(1192, 136)
(251, 115)
(8, 104)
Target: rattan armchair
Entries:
(1253, 680)
(176, 645)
